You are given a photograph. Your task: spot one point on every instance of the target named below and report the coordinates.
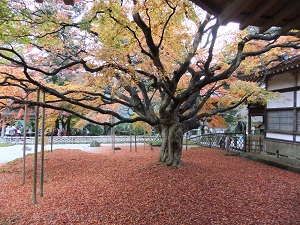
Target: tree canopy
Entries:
(165, 63)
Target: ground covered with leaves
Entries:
(129, 187)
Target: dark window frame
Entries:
(282, 120)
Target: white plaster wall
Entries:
(286, 137)
(281, 81)
(298, 99)
(298, 138)
(286, 100)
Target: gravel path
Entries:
(10, 153)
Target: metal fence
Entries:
(217, 140)
(80, 139)
(214, 140)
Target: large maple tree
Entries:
(160, 62)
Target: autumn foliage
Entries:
(129, 188)
(167, 64)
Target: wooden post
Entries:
(42, 148)
(24, 142)
(36, 146)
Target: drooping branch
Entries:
(22, 62)
(76, 113)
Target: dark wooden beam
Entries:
(67, 2)
(257, 13)
(288, 9)
(209, 6)
(232, 10)
(289, 26)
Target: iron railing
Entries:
(80, 139)
(213, 140)
(217, 140)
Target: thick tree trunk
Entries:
(171, 148)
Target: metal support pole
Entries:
(42, 148)
(144, 137)
(113, 139)
(130, 138)
(186, 140)
(135, 143)
(51, 141)
(112, 135)
(36, 146)
(3, 127)
(24, 142)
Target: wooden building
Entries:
(282, 116)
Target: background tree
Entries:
(159, 61)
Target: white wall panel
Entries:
(286, 137)
(281, 81)
(298, 99)
(287, 100)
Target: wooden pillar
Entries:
(69, 2)
(249, 124)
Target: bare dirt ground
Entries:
(129, 187)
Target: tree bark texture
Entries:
(171, 148)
